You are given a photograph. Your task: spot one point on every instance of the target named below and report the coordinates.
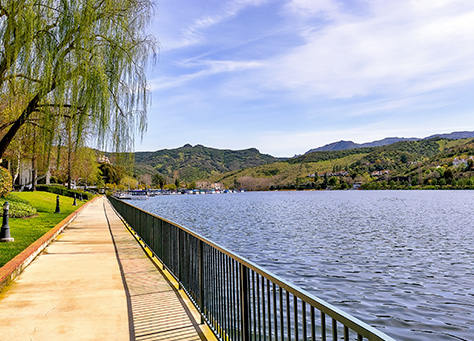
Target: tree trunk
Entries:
(33, 162)
(69, 161)
(8, 137)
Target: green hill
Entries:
(190, 163)
(429, 163)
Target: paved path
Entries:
(94, 282)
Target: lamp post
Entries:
(5, 231)
(58, 210)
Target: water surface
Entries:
(401, 261)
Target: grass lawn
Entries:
(27, 230)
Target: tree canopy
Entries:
(76, 65)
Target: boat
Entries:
(138, 194)
(122, 196)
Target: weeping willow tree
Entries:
(75, 60)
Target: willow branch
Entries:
(20, 75)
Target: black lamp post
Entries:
(5, 231)
(58, 210)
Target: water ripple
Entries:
(399, 260)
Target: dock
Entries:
(96, 282)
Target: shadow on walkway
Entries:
(158, 312)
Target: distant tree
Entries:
(99, 180)
(146, 180)
(85, 166)
(177, 183)
(170, 186)
(158, 180)
(470, 164)
(448, 174)
(192, 185)
(112, 174)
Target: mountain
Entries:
(345, 145)
(436, 162)
(454, 135)
(190, 163)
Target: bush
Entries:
(64, 191)
(19, 208)
(5, 182)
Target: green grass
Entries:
(28, 230)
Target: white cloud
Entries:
(308, 8)
(206, 68)
(402, 47)
(195, 33)
(288, 143)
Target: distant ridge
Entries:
(345, 145)
(190, 163)
(454, 135)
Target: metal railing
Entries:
(238, 299)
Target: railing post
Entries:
(201, 279)
(245, 306)
(179, 257)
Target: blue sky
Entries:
(288, 76)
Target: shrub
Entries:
(64, 191)
(5, 182)
(19, 208)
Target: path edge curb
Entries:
(17, 265)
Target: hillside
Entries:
(345, 145)
(402, 164)
(190, 163)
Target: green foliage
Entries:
(158, 180)
(193, 163)
(65, 192)
(448, 174)
(26, 231)
(330, 155)
(5, 182)
(409, 164)
(19, 208)
(113, 174)
(82, 61)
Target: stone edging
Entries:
(14, 267)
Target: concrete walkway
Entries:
(95, 282)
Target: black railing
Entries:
(238, 299)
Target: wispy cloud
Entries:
(401, 47)
(290, 75)
(310, 8)
(194, 33)
(205, 68)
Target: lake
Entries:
(402, 261)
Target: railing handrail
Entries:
(353, 322)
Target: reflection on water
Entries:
(399, 260)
